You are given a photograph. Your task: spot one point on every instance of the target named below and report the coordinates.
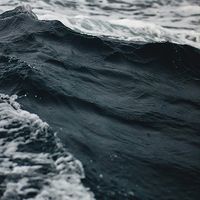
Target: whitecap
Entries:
(33, 162)
(136, 21)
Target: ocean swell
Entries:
(129, 111)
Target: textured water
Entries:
(128, 113)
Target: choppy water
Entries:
(127, 111)
(133, 20)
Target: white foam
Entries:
(132, 20)
(57, 173)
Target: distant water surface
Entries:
(136, 20)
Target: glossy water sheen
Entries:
(129, 112)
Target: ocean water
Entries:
(132, 20)
(99, 100)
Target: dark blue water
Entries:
(129, 112)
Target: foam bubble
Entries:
(33, 162)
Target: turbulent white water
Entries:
(132, 20)
(33, 163)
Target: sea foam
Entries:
(33, 162)
(136, 21)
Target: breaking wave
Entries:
(33, 163)
(135, 21)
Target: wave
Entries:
(112, 101)
(171, 25)
(39, 49)
(128, 30)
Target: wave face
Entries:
(130, 112)
(131, 20)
